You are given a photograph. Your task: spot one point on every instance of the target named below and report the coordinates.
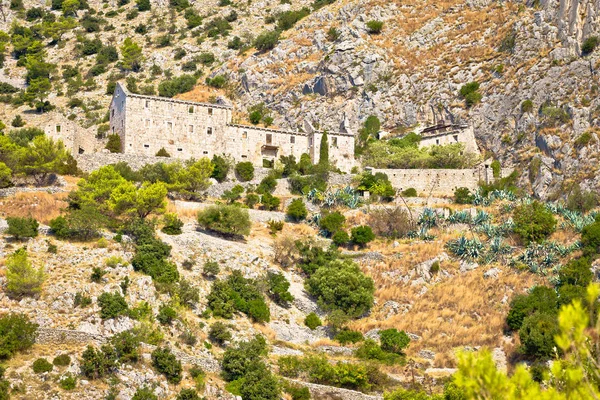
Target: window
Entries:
(170, 126)
(146, 145)
(191, 129)
(58, 128)
(179, 149)
(244, 135)
(292, 139)
(334, 142)
(147, 123)
(210, 111)
(191, 109)
(209, 131)
(205, 152)
(269, 138)
(147, 104)
(437, 141)
(244, 156)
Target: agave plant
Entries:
(490, 230)
(465, 248)
(460, 217)
(481, 217)
(429, 218)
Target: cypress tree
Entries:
(324, 153)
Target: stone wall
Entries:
(440, 182)
(323, 392)
(91, 162)
(464, 135)
(64, 336)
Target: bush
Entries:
(470, 92)
(244, 171)
(589, 45)
(22, 279)
(114, 143)
(187, 293)
(188, 394)
(112, 305)
(590, 238)
(96, 364)
(144, 393)
(218, 81)
(81, 300)
(237, 294)
(221, 168)
(278, 288)
(312, 321)
(167, 364)
(219, 333)
(238, 360)
(162, 153)
(166, 315)
(346, 336)
(332, 222)
(296, 211)
(582, 201)
(374, 27)
(410, 192)
(97, 274)
(267, 40)
(393, 341)
(68, 382)
(342, 286)
(41, 365)
(537, 335)
(62, 360)
(391, 223)
(211, 268)
(542, 299)
(172, 224)
(533, 222)
(527, 106)
(17, 333)
(226, 219)
(126, 345)
(270, 202)
(22, 227)
(370, 350)
(361, 235)
(5, 176)
(175, 86)
(462, 195)
(340, 238)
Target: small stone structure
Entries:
(443, 133)
(187, 129)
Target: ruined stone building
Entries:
(446, 133)
(187, 129)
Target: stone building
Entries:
(187, 129)
(445, 133)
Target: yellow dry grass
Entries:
(201, 93)
(40, 205)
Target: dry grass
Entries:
(39, 205)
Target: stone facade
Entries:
(443, 134)
(75, 138)
(187, 129)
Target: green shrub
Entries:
(114, 143)
(346, 336)
(22, 279)
(238, 294)
(112, 305)
(361, 235)
(470, 92)
(542, 299)
(172, 224)
(221, 168)
(187, 293)
(332, 222)
(576, 272)
(537, 335)
(590, 238)
(41, 365)
(211, 268)
(62, 360)
(270, 202)
(97, 274)
(218, 81)
(278, 288)
(393, 340)
(17, 333)
(68, 382)
(144, 393)
(374, 27)
(340, 238)
(533, 222)
(245, 356)
(527, 106)
(584, 139)
(312, 321)
(96, 364)
(370, 350)
(126, 345)
(267, 40)
(589, 45)
(175, 86)
(342, 286)
(225, 219)
(244, 171)
(188, 394)
(219, 333)
(167, 364)
(410, 192)
(166, 315)
(296, 211)
(22, 227)
(81, 300)
(5, 176)
(162, 153)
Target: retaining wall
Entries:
(324, 392)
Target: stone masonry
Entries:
(187, 129)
